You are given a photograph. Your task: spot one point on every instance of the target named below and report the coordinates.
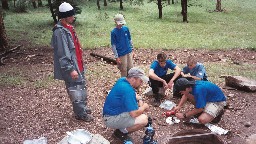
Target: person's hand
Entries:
(133, 54)
(118, 60)
(177, 108)
(179, 115)
(187, 75)
(145, 106)
(170, 84)
(74, 74)
(165, 85)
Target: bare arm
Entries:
(189, 113)
(153, 76)
(177, 73)
(140, 111)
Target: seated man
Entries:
(158, 75)
(207, 97)
(194, 70)
(123, 109)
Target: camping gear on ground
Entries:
(149, 133)
(79, 136)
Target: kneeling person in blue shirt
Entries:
(207, 97)
(123, 109)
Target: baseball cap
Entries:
(119, 19)
(182, 83)
(137, 72)
(66, 10)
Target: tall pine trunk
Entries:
(184, 10)
(218, 6)
(5, 4)
(160, 8)
(3, 36)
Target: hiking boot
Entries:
(87, 118)
(121, 136)
(218, 118)
(156, 103)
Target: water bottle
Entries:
(128, 142)
(146, 139)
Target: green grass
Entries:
(11, 79)
(233, 28)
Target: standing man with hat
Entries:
(122, 46)
(68, 61)
(123, 109)
(207, 97)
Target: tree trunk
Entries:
(98, 4)
(105, 3)
(51, 9)
(34, 4)
(168, 2)
(40, 3)
(160, 8)
(121, 5)
(3, 36)
(184, 10)
(218, 6)
(5, 4)
(14, 3)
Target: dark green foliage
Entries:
(21, 6)
(54, 7)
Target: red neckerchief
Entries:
(78, 48)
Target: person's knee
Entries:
(204, 119)
(143, 120)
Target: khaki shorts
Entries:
(126, 64)
(214, 108)
(124, 120)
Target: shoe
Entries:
(87, 118)
(156, 103)
(121, 136)
(88, 111)
(218, 118)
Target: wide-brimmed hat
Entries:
(137, 72)
(119, 19)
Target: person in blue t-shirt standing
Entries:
(194, 69)
(122, 46)
(159, 78)
(123, 109)
(207, 97)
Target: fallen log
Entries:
(241, 83)
(107, 59)
(4, 54)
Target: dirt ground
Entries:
(37, 108)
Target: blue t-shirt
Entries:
(121, 38)
(198, 71)
(205, 91)
(161, 71)
(121, 98)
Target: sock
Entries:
(123, 130)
